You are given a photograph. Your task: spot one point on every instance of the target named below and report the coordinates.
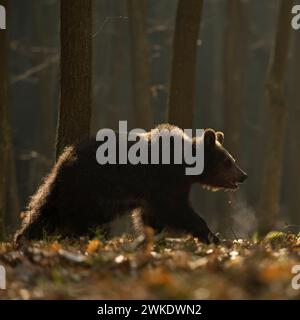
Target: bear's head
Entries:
(220, 168)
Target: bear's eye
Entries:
(228, 163)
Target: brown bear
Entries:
(79, 194)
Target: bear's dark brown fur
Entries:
(79, 194)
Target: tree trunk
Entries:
(118, 68)
(233, 74)
(4, 125)
(294, 133)
(183, 74)
(12, 192)
(140, 64)
(76, 72)
(44, 136)
(276, 120)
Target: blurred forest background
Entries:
(234, 43)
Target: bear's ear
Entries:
(209, 137)
(220, 136)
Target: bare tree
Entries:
(294, 133)
(234, 58)
(183, 74)
(276, 120)
(7, 170)
(76, 72)
(3, 126)
(45, 129)
(140, 64)
(233, 95)
(118, 62)
(12, 192)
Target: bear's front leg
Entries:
(199, 228)
(186, 219)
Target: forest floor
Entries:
(159, 267)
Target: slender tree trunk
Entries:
(76, 72)
(276, 120)
(12, 196)
(118, 66)
(294, 133)
(140, 64)
(4, 125)
(183, 74)
(233, 74)
(46, 126)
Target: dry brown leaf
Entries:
(274, 272)
(55, 246)
(93, 246)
